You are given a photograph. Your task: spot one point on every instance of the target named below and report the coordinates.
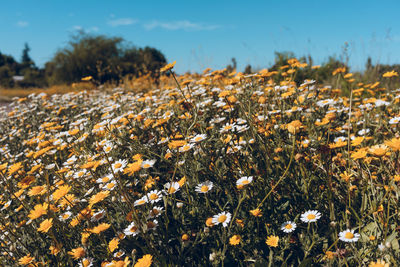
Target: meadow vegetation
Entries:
(218, 169)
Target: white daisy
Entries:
(155, 212)
(394, 120)
(244, 180)
(204, 187)
(108, 147)
(186, 147)
(198, 138)
(132, 230)
(148, 163)
(172, 187)
(154, 196)
(110, 186)
(349, 236)
(119, 165)
(98, 215)
(288, 227)
(65, 216)
(223, 217)
(310, 216)
(140, 201)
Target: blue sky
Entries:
(200, 34)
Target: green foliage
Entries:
(104, 58)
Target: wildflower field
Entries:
(221, 169)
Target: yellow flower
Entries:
(256, 213)
(379, 263)
(54, 250)
(38, 211)
(338, 144)
(26, 260)
(272, 241)
(394, 144)
(45, 225)
(98, 197)
(77, 253)
(14, 168)
(329, 255)
(346, 176)
(37, 190)
(145, 261)
(60, 192)
(389, 74)
(359, 154)
(209, 222)
(378, 150)
(185, 237)
(357, 141)
(133, 167)
(168, 67)
(113, 244)
(234, 240)
(294, 126)
(87, 78)
(100, 228)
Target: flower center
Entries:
(171, 190)
(133, 229)
(288, 226)
(153, 196)
(204, 188)
(311, 216)
(349, 235)
(117, 165)
(245, 182)
(222, 218)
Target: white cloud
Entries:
(180, 25)
(22, 24)
(77, 28)
(87, 30)
(121, 22)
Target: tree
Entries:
(104, 58)
(26, 61)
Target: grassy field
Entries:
(209, 170)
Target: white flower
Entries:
(349, 236)
(110, 186)
(204, 187)
(86, 262)
(132, 230)
(363, 132)
(65, 216)
(172, 187)
(288, 227)
(186, 147)
(80, 173)
(108, 147)
(98, 216)
(140, 201)
(148, 163)
(310, 216)
(394, 120)
(323, 103)
(119, 165)
(198, 138)
(223, 217)
(105, 179)
(154, 196)
(155, 212)
(244, 180)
